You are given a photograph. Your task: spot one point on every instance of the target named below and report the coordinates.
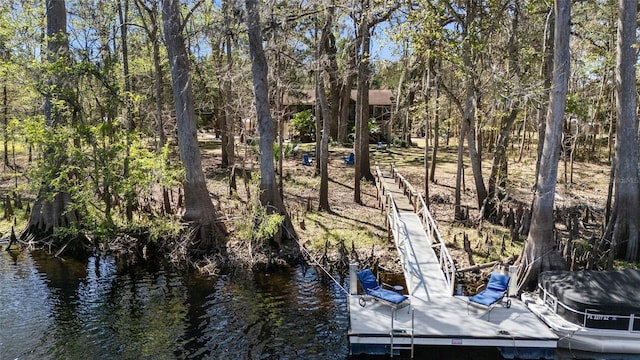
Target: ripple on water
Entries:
(106, 309)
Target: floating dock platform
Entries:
(435, 317)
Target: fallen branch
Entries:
(477, 267)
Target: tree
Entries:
(269, 194)
(623, 226)
(50, 209)
(540, 252)
(468, 18)
(152, 29)
(228, 142)
(507, 119)
(367, 20)
(199, 209)
(123, 16)
(323, 46)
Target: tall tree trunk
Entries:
(406, 128)
(523, 131)
(436, 125)
(396, 113)
(364, 75)
(345, 106)
(158, 85)
(5, 123)
(457, 205)
(623, 230)
(547, 73)
(474, 155)
(498, 174)
(470, 103)
(199, 208)
(152, 28)
(323, 153)
(540, 251)
(500, 156)
(123, 16)
(324, 148)
(50, 207)
(331, 51)
(426, 91)
(269, 194)
(228, 141)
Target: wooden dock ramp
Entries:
(436, 317)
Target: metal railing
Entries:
(447, 265)
(398, 238)
(590, 317)
(428, 223)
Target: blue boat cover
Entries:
(494, 292)
(372, 288)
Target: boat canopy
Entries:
(595, 298)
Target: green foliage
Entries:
(578, 105)
(288, 151)
(304, 125)
(260, 225)
(397, 142)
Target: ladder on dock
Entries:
(404, 332)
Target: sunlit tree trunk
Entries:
(229, 133)
(324, 148)
(499, 167)
(269, 195)
(436, 124)
(123, 15)
(323, 46)
(199, 209)
(546, 72)
(623, 229)
(540, 251)
(334, 85)
(50, 207)
(426, 91)
(152, 28)
(364, 75)
(5, 124)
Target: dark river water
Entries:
(107, 309)
(103, 308)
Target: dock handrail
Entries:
(433, 234)
(380, 195)
(394, 225)
(405, 185)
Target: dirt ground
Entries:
(358, 231)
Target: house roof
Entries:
(376, 97)
(308, 97)
(300, 97)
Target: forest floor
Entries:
(353, 232)
(358, 231)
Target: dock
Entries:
(435, 317)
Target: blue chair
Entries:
(351, 159)
(375, 291)
(494, 292)
(306, 160)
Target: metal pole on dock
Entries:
(353, 279)
(513, 284)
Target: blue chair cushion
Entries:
(372, 288)
(498, 282)
(494, 292)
